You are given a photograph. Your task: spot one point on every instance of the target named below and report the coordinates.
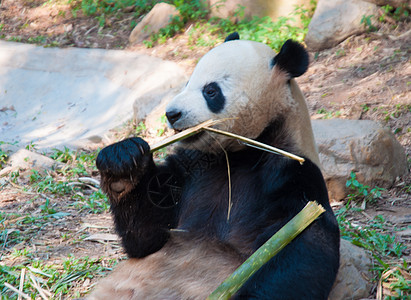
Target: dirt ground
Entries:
(365, 77)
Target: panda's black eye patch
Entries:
(214, 96)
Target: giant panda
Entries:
(187, 223)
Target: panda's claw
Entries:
(130, 156)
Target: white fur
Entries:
(239, 67)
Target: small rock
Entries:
(159, 17)
(23, 159)
(129, 9)
(361, 146)
(95, 139)
(354, 268)
(334, 21)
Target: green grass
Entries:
(101, 7)
(386, 250)
(388, 14)
(46, 183)
(139, 129)
(58, 279)
(96, 202)
(371, 236)
(3, 158)
(378, 237)
(361, 192)
(401, 12)
(326, 113)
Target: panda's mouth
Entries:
(190, 139)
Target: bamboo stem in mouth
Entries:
(207, 126)
(181, 135)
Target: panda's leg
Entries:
(305, 269)
(127, 173)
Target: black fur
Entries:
(293, 59)
(143, 228)
(267, 191)
(232, 36)
(214, 96)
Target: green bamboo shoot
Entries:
(277, 242)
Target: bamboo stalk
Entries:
(256, 144)
(270, 248)
(181, 135)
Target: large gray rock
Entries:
(158, 17)
(73, 97)
(355, 264)
(362, 146)
(334, 21)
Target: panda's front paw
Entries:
(124, 158)
(122, 165)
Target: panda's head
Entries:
(246, 83)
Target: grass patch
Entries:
(54, 281)
(361, 192)
(50, 200)
(326, 114)
(378, 236)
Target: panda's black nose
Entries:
(173, 116)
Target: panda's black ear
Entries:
(232, 36)
(293, 59)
